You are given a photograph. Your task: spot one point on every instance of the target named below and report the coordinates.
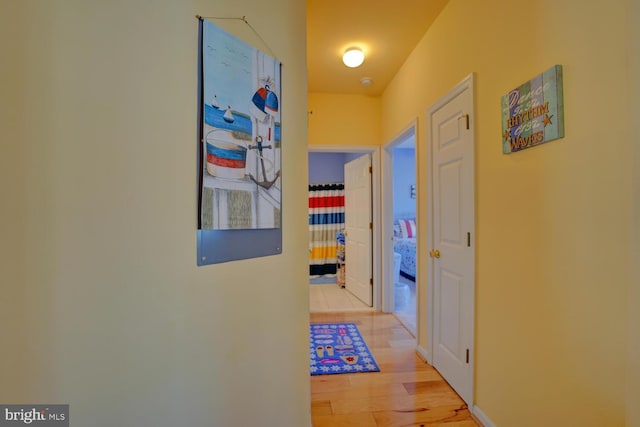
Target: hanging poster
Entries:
(533, 112)
(240, 114)
(239, 148)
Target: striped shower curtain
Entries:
(326, 218)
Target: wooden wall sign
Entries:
(533, 112)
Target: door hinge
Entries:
(467, 355)
(371, 281)
(466, 117)
(370, 226)
(469, 240)
(370, 169)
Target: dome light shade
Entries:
(353, 57)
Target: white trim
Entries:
(388, 297)
(342, 148)
(423, 352)
(466, 84)
(374, 150)
(388, 300)
(486, 422)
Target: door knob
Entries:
(434, 253)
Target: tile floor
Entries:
(326, 298)
(331, 297)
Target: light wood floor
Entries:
(406, 392)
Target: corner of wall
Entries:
(481, 417)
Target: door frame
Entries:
(466, 84)
(388, 294)
(374, 151)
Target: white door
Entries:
(357, 219)
(451, 237)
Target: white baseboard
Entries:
(423, 353)
(477, 412)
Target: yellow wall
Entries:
(553, 222)
(339, 119)
(633, 323)
(102, 304)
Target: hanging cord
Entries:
(243, 19)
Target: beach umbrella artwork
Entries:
(258, 103)
(271, 101)
(264, 105)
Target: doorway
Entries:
(347, 304)
(400, 210)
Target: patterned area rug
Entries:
(338, 348)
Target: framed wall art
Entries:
(239, 148)
(533, 113)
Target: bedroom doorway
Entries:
(325, 166)
(401, 232)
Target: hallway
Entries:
(333, 298)
(406, 391)
(328, 298)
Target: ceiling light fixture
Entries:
(353, 57)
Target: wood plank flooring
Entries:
(407, 392)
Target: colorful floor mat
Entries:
(338, 348)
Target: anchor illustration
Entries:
(259, 147)
(263, 106)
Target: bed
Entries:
(404, 231)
